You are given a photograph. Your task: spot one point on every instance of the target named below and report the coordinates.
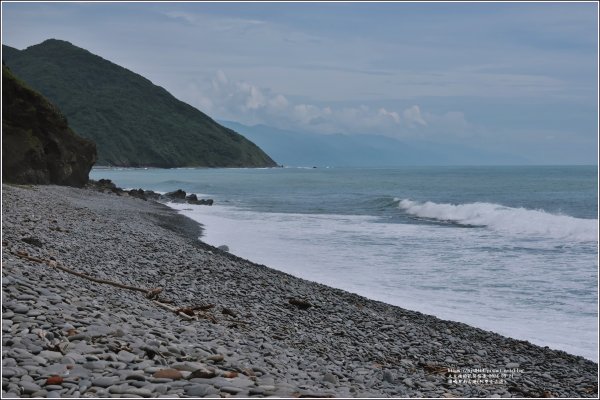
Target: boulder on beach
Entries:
(195, 200)
(138, 193)
(150, 194)
(177, 194)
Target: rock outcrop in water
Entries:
(37, 144)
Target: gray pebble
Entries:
(105, 381)
(20, 308)
(200, 390)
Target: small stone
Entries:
(135, 376)
(512, 365)
(200, 390)
(231, 389)
(51, 355)
(126, 356)
(105, 381)
(95, 365)
(119, 389)
(161, 388)
(388, 377)
(216, 358)
(203, 373)
(29, 387)
(408, 382)
(331, 378)
(168, 374)
(54, 380)
(230, 374)
(139, 392)
(20, 308)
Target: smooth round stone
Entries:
(95, 365)
(53, 395)
(40, 360)
(51, 355)
(29, 387)
(84, 384)
(35, 349)
(126, 356)
(200, 390)
(105, 381)
(8, 372)
(139, 384)
(139, 392)
(54, 369)
(119, 389)
(388, 377)
(161, 388)
(20, 308)
(231, 389)
(67, 327)
(9, 362)
(134, 376)
(75, 357)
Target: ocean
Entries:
(512, 250)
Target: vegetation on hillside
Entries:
(37, 145)
(132, 121)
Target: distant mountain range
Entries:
(308, 149)
(132, 121)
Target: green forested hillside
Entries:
(132, 121)
(37, 144)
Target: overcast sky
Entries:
(516, 77)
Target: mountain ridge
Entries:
(134, 122)
(293, 148)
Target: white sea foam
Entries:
(467, 275)
(510, 220)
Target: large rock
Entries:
(176, 195)
(38, 147)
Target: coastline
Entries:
(342, 345)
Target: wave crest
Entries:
(506, 219)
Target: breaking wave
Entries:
(511, 220)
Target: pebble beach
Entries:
(107, 295)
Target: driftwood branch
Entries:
(187, 313)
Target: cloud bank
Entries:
(241, 101)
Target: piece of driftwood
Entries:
(172, 309)
(186, 313)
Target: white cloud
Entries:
(225, 98)
(413, 116)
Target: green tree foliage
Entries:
(133, 122)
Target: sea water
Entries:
(513, 250)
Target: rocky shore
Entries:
(221, 326)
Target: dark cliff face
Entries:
(133, 122)
(38, 147)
